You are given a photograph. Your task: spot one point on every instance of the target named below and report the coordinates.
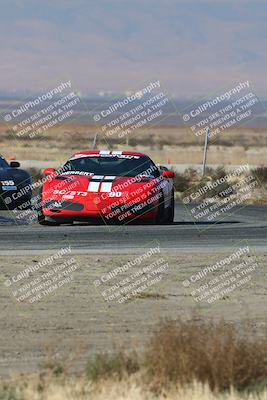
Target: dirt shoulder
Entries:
(77, 317)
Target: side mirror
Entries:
(49, 171)
(14, 164)
(163, 168)
(168, 174)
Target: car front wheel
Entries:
(170, 212)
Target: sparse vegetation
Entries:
(117, 365)
(191, 181)
(182, 182)
(182, 352)
(111, 389)
(261, 174)
(196, 359)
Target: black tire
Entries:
(170, 212)
(47, 223)
(159, 219)
(42, 220)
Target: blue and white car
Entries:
(15, 186)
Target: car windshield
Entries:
(122, 165)
(3, 163)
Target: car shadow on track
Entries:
(206, 222)
(143, 223)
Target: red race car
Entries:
(118, 186)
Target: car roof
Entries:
(119, 152)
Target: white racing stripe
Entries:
(106, 187)
(105, 182)
(93, 186)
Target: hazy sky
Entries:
(193, 46)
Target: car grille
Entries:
(58, 205)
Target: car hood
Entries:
(98, 183)
(9, 174)
(70, 186)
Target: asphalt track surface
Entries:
(246, 223)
